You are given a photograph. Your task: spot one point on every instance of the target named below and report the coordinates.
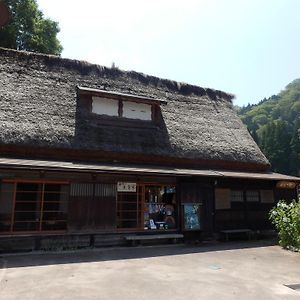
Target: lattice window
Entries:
(33, 206)
(81, 190)
(252, 196)
(105, 190)
(237, 196)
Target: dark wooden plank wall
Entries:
(287, 195)
(92, 206)
(99, 212)
(238, 218)
(203, 193)
(253, 215)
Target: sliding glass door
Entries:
(33, 206)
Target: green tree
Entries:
(254, 136)
(274, 124)
(266, 140)
(29, 30)
(281, 148)
(274, 141)
(295, 149)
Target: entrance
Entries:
(150, 207)
(130, 208)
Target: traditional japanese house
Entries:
(92, 156)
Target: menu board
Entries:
(191, 214)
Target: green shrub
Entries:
(286, 218)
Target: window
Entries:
(133, 110)
(6, 206)
(160, 207)
(120, 105)
(252, 196)
(123, 109)
(129, 209)
(104, 106)
(237, 196)
(27, 208)
(55, 207)
(81, 190)
(33, 206)
(150, 207)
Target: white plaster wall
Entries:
(133, 110)
(104, 106)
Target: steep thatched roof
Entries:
(39, 107)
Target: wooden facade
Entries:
(47, 205)
(93, 156)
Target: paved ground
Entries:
(248, 270)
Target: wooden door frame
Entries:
(141, 191)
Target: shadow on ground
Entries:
(107, 254)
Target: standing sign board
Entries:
(191, 214)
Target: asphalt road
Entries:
(247, 270)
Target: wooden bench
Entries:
(148, 237)
(231, 232)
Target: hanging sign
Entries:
(285, 185)
(126, 187)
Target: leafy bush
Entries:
(286, 218)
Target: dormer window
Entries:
(130, 110)
(104, 106)
(140, 111)
(122, 106)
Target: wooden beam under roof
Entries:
(119, 96)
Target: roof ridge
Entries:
(85, 67)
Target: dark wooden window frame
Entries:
(41, 191)
(120, 110)
(88, 93)
(253, 190)
(244, 195)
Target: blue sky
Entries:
(250, 48)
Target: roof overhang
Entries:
(258, 176)
(117, 95)
(118, 168)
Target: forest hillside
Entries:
(274, 123)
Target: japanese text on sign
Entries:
(126, 187)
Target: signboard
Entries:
(191, 214)
(285, 185)
(126, 187)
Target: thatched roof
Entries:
(39, 107)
